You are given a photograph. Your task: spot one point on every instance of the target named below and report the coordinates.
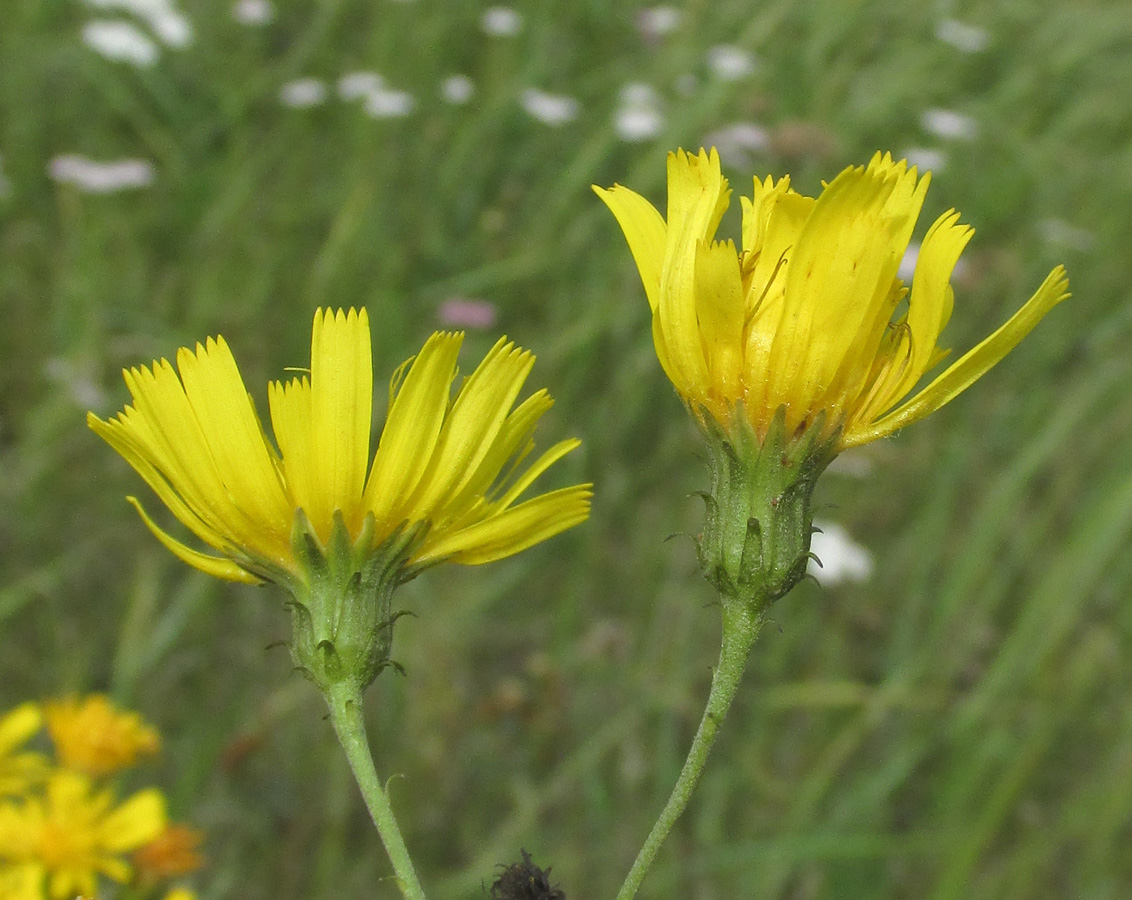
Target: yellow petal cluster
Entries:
(75, 832)
(454, 464)
(20, 769)
(91, 735)
(807, 315)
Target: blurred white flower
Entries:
(949, 124)
(737, 143)
(303, 92)
(842, 558)
(908, 264)
(359, 85)
(964, 37)
(253, 12)
(926, 159)
(457, 89)
(85, 393)
(1064, 234)
(550, 109)
(638, 93)
(461, 312)
(386, 103)
(501, 21)
(121, 41)
(657, 21)
(634, 124)
(172, 28)
(639, 116)
(95, 177)
(730, 63)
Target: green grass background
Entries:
(958, 726)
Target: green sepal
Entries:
(341, 608)
(759, 516)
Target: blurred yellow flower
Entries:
(22, 882)
(448, 466)
(180, 893)
(76, 833)
(174, 852)
(94, 737)
(804, 315)
(20, 771)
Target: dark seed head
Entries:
(525, 881)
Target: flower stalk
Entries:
(741, 625)
(345, 702)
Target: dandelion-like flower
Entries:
(799, 339)
(20, 770)
(313, 512)
(74, 832)
(91, 735)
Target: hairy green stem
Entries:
(345, 701)
(740, 628)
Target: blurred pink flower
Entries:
(460, 312)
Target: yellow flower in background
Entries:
(75, 832)
(20, 771)
(450, 469)
(94, 737)
(807, 315)
(180, 893)
(22, 882)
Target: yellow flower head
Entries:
(20, 771)
(94, 737)
(446, 470)
(76, 833)
(805, 315)
(22, 882)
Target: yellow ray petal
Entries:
(540, 465)
(787, 213)
(290, 406)
(232, 432)
(123, 434)
(697, 198)
(470, 429)
(170, 435)
(210, 565)
(971, 366)
(137, 821)
(840, 274)
(19, 725)
(413, 426)
(341, 387)
(929, 306)
(510, 447)
(721, 310)
(514, 530)
(645, 231)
